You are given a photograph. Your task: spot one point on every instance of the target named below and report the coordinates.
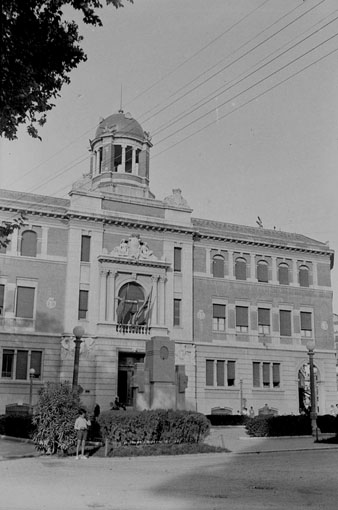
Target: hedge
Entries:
(226, 419)
(268, 426)
(328, 424)
(16, 426)
(149, 427)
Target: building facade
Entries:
(240, 303)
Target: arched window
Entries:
(283, 274)
(304, 280)
(262, 271)
(130, 308)
(240, 269)
(218, 266)
(29, 240)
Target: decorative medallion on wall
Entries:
(51, 303)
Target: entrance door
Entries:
(127, 361)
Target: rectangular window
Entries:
(242, 319)
(21, 365)
(209, 372)
(15, 364)
(285, 322)
(7, 363)
(83, 304)
(266, 375)
(218, 317)
(220, 365)
(306, 324)
(25, 302)
(129, 160)
(264, 321)
(2, 294)
(85, 248)
(256, 374)
(177, 312)
(177, 259)
(231, 373)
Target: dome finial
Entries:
(121, 109)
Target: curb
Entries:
(16, 439)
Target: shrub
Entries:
(16, 426)
(54, 418)
(149, 427)
(264, 426)
(227, 419)
(327, 423)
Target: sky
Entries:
(239, 96)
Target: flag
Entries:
(142, 316)
(120, 310)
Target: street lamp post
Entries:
(78, 333)
(31, 377)
(313, 413)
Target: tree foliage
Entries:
(8, 227)
(39, 50)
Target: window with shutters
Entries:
(25, 302)
(16, 364)
(218, 317)
(2, 299)
(29, 243)
(285, 322)
(262, 271)
(177, 312)
(85, 248)
(240, 268)
(264, 321)
(218, 266)
(177, 259)
(304, 276)
(266, 375)
(306, 324)
(83, 304)
(242, 319)
(220, 373)
(283, 274)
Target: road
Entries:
(292, 480)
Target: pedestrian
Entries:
(251, 412)
(245, 411)
(81, 426)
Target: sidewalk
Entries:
(233, 439)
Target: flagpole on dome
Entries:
(121, 108)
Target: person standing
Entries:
(81, 426)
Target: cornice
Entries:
(133, 261)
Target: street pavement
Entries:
(257, 474)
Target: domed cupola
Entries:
(120, 156)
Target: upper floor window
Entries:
(266, 375)
(177, 259)
(218, 317)
(25, 302)
(242, 319)
(285, 322)
(85, 248)
(306, 324)
(283, 273)
(262, 271)
(264, 321)
(17, 362)
(129, 159)
(29, 241)
(83, 304)
(218, 266)
(240, 269)
(2, 295)
(117, 157)
(177, 312)
(304, 276)
(220, 373)
(132, 307)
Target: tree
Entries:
(8, 227)
(38, 51)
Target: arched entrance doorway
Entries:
(304, 390)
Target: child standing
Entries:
(81, 426)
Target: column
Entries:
(314, 274)
(294, 272)
(252, 267)
(133, 163)
(44, 240)
(111, 296)
(123, 165)
(103, 295)
(208, 263)
(274, 270)
(155, 312)
(162, 303)
(231, 265)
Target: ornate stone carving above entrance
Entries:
(133, 248)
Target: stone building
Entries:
(240, 303)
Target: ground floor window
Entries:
(266, 374)
(220, 372)
(16, 364)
